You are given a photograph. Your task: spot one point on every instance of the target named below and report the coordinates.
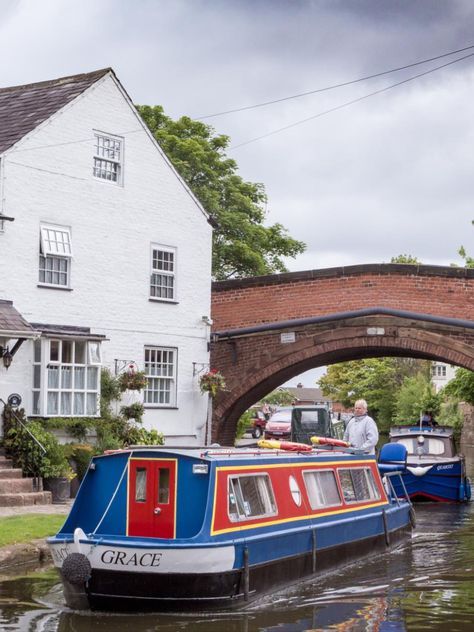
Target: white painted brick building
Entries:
(108, 256)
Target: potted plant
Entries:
(57, 473)
(212, 382)
(132, 381)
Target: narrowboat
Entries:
(161, 528)
(434, 470)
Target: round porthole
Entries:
(295, 491)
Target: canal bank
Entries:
(30, 551)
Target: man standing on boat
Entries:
(361, 431)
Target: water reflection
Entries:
(425, 585)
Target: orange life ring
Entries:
(291, 446)
(330, 441)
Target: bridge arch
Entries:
(263, 353)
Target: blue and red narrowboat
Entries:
(162, 528)
(434, 470)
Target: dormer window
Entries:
(108, 155)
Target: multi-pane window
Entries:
(162, 278)
(55, 255)
(358, 484)
(108, 153)
(438, 370)
(160, 370)
(66, 378)
(250, 497)
(322, 488)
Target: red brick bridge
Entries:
(268, 329)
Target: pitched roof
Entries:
(12, 322)
(306, 393)
(22, 108)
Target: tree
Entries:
(405, 259)
(415, 396)
(461, 386)
(377, 380)
(243, 245)
(280, 397)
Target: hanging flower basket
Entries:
(212, 382)
(132, 381)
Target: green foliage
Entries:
(377, 380)
(415, 396)
(133, 411)
(141, 436)
(280, 397)
(450, 415)
(245, 421)
(77, 427)
(405, 259)
(109, 392)
(79, 456)
(28, 455)
(131, 381)
(461, 387)
(243, 245)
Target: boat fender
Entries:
(467, 488)
(292, 446)
(76, 568)
(330, 441)
(412, 517)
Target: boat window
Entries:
(431, 445)
(322, 488)
(358, 484)
(163, 485)
(250, 497)
(140, 485)
(295, 491)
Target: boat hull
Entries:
(157, 589)
(440, 482)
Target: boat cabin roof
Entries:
(223, 453)
(408, 431)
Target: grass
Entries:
(18, 529)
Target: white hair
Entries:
(361, 402)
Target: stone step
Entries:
(16, 485)
(25, 499)
(11, 473)
(5, 463)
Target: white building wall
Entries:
(48, 178)
(441, 374)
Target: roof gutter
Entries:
(328, 318)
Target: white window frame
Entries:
(160, 267)
(266, 497)
(366, 472)
(55, 256)
(59, 385)
(316, 489)
(108, 157)
(161, 376)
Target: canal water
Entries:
(427, 584)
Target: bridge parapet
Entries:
(269, 329)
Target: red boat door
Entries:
(152, 498)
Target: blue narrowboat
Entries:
(163, 528)
(434, 471)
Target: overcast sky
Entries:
(391, 174)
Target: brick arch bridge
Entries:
(268, 329)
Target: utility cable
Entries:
(348, 103)
(333, 87)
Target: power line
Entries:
(348, 103)
(333, 87)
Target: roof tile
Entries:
(22, 108)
